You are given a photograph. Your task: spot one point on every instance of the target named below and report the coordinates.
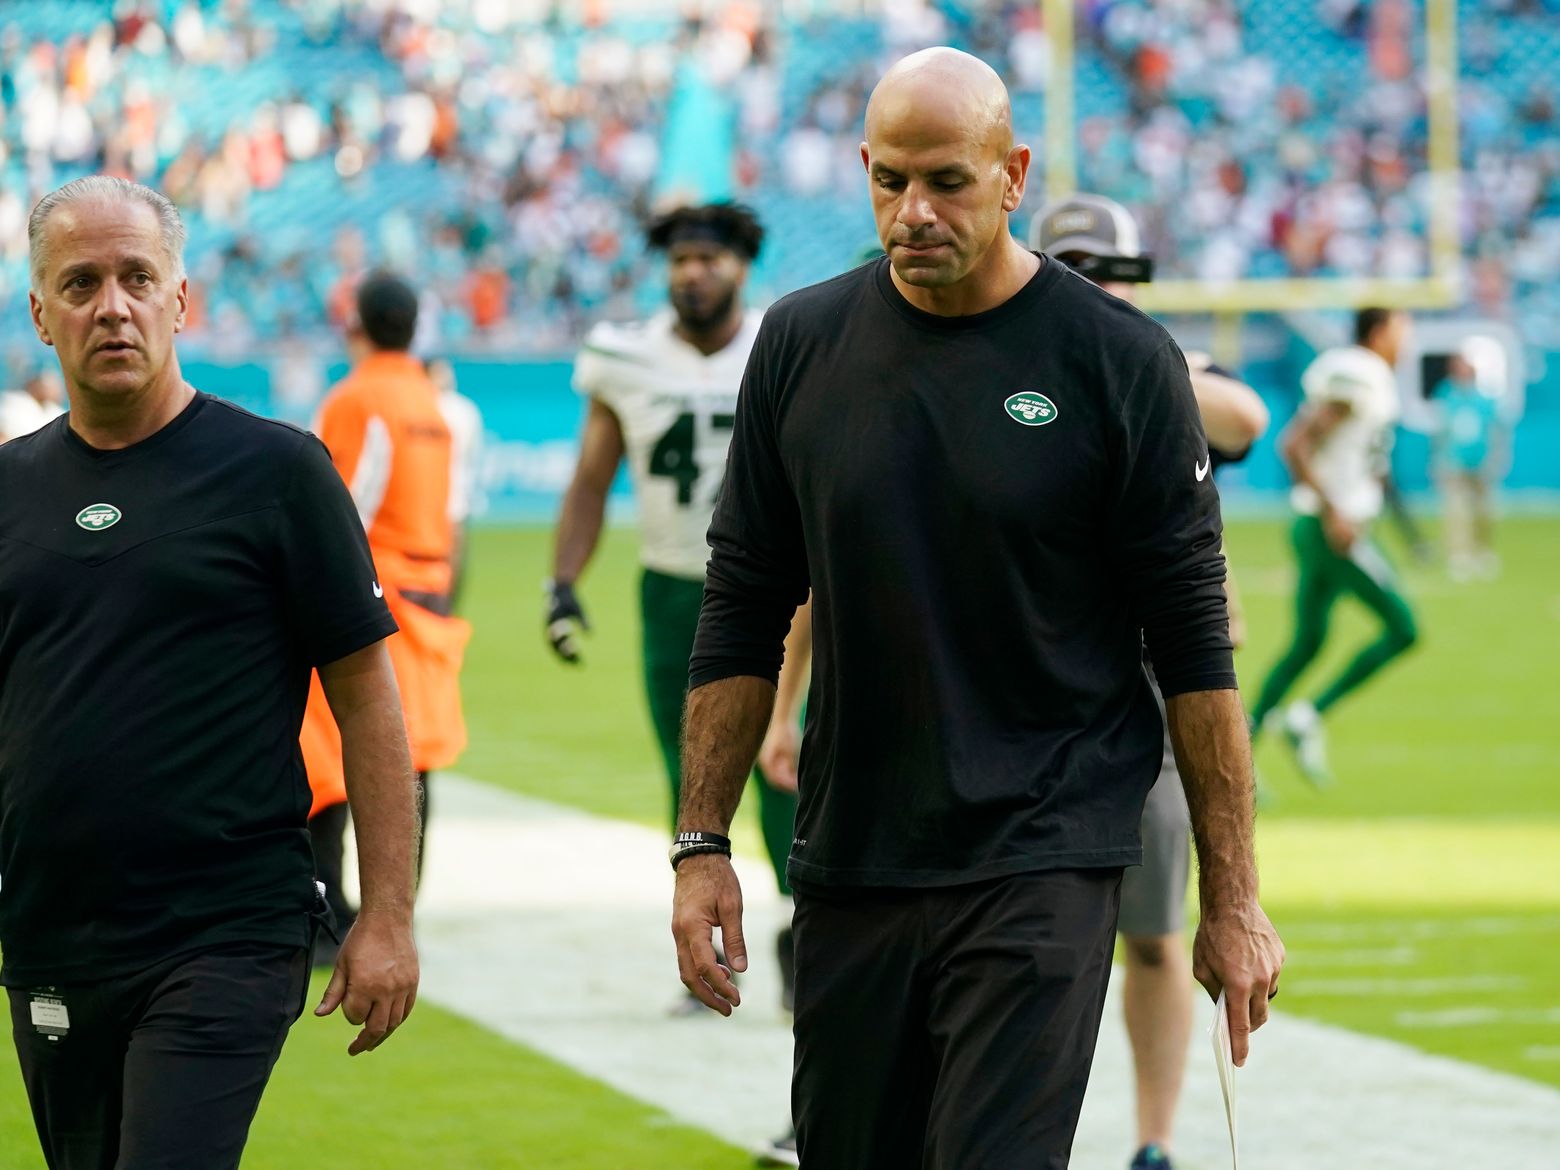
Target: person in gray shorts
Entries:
(1157, 989)
(1153, 895)
(1098, 238)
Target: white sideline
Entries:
(550, 927)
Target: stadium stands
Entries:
(511, 163)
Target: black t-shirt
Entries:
(993, 511)
(160, 609)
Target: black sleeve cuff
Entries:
(364, 634)
(1186, 682)
(742, 623)
(701, 673)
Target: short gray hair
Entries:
(109, 189)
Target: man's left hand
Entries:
(375, 980)
(1237, 951)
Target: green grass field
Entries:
(1419, 897)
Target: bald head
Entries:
(942, 95)
(944, 175)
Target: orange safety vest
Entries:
(388, 439)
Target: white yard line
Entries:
(1478, 1017)
(550, 927)
(1317, 959)
(1411, 930)
(1395, 989)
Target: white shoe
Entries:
(780, 1152)
(1305, 736)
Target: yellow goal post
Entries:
(1441, 288)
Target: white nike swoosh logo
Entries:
(379, 590)
(1202, 469)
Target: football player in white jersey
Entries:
(1335, 449)
(663, 394)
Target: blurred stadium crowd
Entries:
(509, 163)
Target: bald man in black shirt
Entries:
(993, 478)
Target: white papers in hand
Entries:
(1224, 1061)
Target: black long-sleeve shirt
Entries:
(994, 513)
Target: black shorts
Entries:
(949, 1029)
(163, 1068)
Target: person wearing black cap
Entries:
(1099, 238)
(662, 393)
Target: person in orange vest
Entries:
(389, 440)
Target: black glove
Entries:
(565, 620)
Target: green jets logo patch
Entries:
(1031, 409)
(96, 517)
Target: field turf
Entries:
(1419, 896)
(1421, 888)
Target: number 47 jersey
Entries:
(676, 407)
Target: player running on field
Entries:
(663, 393)
(1335, 450)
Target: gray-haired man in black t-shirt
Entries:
(171, 569)
(992, 476)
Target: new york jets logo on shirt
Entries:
(96, 517)
(1030, 408)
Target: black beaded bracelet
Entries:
(690, 844)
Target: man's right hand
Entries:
(708, 895)
(565, 621)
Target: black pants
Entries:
(949, 1029)
(161, 1070)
